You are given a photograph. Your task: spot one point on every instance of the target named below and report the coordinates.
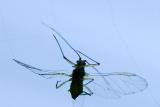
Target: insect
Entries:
(116, 84)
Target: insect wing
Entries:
(117, 84)
(44, 73)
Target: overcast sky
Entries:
(123, 35)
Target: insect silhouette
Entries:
(115, 84)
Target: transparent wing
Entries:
(44, 73)
(117, 84)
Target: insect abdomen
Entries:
(76, 88)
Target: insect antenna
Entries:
(59, 45)
(62, 39)
(88, 57)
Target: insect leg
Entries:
(91, 65)
(62, 51)
(87, 93)
(59, 85)
(68, 60)
(65, 74)
(90, 80)
(85, 85)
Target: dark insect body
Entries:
(76, 87)
(116, 84)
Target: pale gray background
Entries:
(123, 35)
